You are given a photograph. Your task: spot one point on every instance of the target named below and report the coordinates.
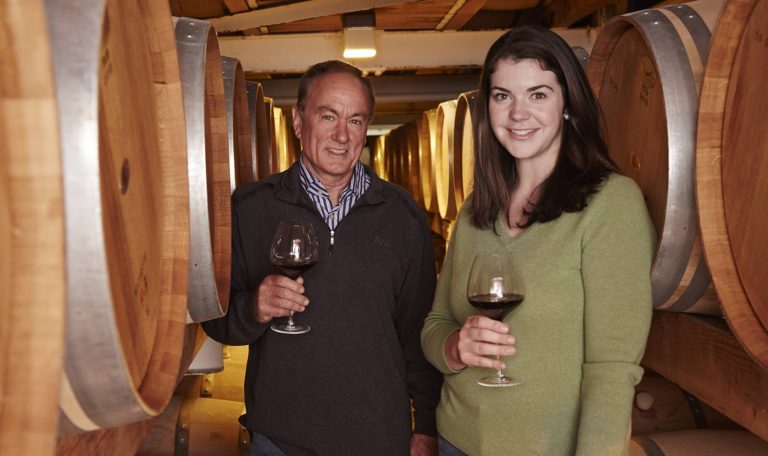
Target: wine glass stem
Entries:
(499, 373)
(290, 318)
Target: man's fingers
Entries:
(278, 296)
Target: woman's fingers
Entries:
(481, 337)
(484, 329)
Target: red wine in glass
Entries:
(294, 249)
(494, 289)
(293, 269)
(493, 306)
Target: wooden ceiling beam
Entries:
(466, 12)
(236, 6)
(566, 13)
(295, 12)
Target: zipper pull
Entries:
(330, 247)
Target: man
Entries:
(344, 387)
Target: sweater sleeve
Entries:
(238, 326)
(440, 322)
(618, 247)
(424, 382)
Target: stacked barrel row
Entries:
(433, 158)
(124, 131)
(680, 90)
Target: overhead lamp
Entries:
(359, 35)
(359, 43)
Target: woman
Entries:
(546, 191)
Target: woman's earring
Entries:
(566, 116)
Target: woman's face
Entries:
(526, 111)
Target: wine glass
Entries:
(294, 250)
(495, 288)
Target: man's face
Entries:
(333, 126)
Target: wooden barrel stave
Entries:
(242, 156)
(464, 145)
(32, 262)
(270, 142)
(731, 170)
(122, 136)
(413, 167)
(709, 442)
(670, 45)
(446, 200)
(208, 167)
(428, 159)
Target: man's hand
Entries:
(277, 296)
(423, 445)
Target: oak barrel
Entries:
(377, 157)
(197, 426)
(126, 203)
(413, 167)
(446, 199)
(700, 442)
(661, 406)
(732, 170)
(208, 165)
(257, 121)
(242, 154)
(284, 147)
(32, 262)
(388, 161)
(464, 145)
(428, 159)
(646, 69)
(269, 135)
(395, 156)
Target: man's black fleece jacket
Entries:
(344, 387)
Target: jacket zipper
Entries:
(330, 247)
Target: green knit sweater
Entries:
(580, 330)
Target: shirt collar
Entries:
(312, 184)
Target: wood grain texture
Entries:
(463, 163)
(127, 208)
(428, 158)
(646, 69)
(702, 356)
(123, 440)
(446, 199)
(671, 408)
(700, 442)
(413, 167)
(32, 262)
(731, 170)
(244, 154)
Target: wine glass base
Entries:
(498, 382)
(285, 328)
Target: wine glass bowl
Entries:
(494, 289)
(293, 250)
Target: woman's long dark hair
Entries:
(583, 162)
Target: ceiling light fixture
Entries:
(359, 43)
(359, 35)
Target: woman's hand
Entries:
(277, 296)
(479, 337)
